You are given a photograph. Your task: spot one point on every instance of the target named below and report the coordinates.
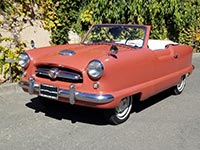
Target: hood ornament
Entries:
(53, 73)
(67, 52)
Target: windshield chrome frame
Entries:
(115, 25)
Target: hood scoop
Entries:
(67, 52)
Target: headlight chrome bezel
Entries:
(24, 60)
(95, 69)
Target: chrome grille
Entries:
(61, 74)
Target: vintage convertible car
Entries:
(113, 64)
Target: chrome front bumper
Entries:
(71, 94)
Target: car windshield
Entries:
(120, 34)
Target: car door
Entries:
(165, 68)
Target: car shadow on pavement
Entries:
(60, 111)
(75, 113)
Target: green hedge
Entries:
(178, 20)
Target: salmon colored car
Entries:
(112, 64)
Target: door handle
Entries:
(176, 56)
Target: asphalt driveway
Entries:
(163, 122)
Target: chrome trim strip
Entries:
(42, 71)
(69, 75)
(60, 74)
(72, 94)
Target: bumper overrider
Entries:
(70, 94)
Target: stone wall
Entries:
(42, 37)
(38, 35)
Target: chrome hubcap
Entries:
(181, 85)
(124, 108)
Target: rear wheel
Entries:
(121, 113)
(178, 89)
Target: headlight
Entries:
(95, 69)
(23, 60)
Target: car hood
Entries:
(81, 55)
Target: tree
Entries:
(67, 12)
(178, 20)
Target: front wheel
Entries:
(178, 89)
(121, 113)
